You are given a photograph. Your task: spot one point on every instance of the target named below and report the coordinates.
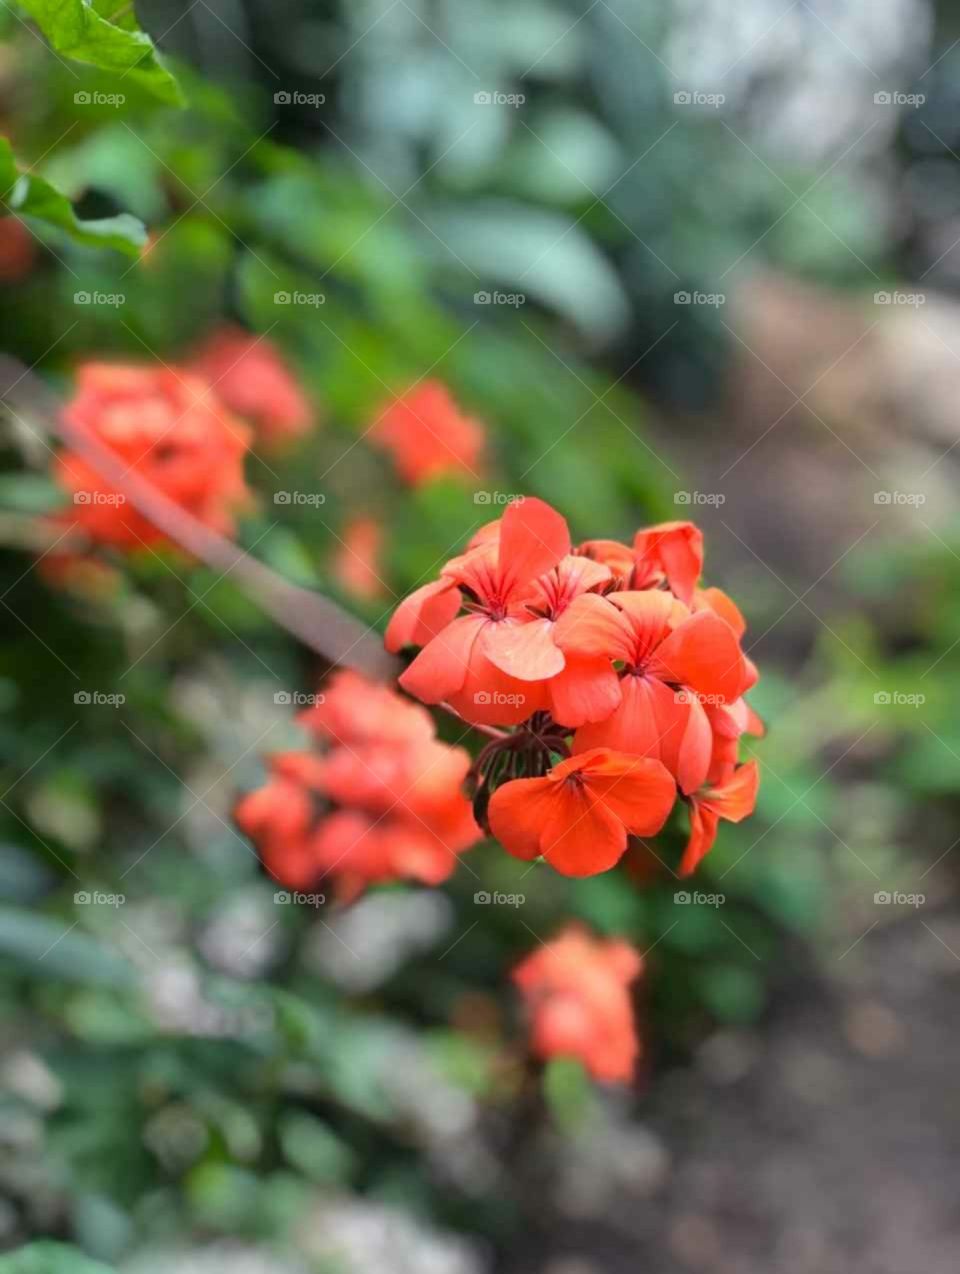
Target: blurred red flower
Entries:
(577, 992)
(381, 802)
(249, 375)
(427, 434)
(356, 562)
(18, 250)
(168, 427)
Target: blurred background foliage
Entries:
(200, 1065)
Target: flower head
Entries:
(428, 435)
(168, 427)
(382, 801)
(578, 815)
(249, 375)
(577, 992)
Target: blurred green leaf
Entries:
(27, 195)
(50, 1258)
(83, 31)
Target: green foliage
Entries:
(49, 1258)
(105, 34)
(27, 195)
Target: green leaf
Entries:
(49, 1258)
(30, 196)
(78, 30)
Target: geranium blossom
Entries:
(382, 801)
(427, 434)
(250, 376)
(168, 427)
(577, 993)
(356, 562)
(600, 649)
(578, 815)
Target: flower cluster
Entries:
(172, 430)
(628, 680)
(577, 992)
(250, 377)
(427, 434)
(380, 800)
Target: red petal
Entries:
(648, 614)
(518, 812)
(533, 539)
(639, 791)
(634, 726)
(593, 626)
(702, 652)
(440, 669)
(423, 614)
(586, 690)
(703, 832)
(736, 798)
(677, 548)
(582, 837)
(526, 651)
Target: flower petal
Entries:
(587, 689)
(526, 651)
(677, 549)
(518, 812)
(735, 799)
(440, 669)
(702, 652)
(593, 626)
(640, 791)
(581, 836)
(533, 539)
(703, 833)
(423, 614)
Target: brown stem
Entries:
(318, 622)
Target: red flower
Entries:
(576, 989)
(427, 434)
(357, 559)
(382, 802)
(466, 663)
(671, 660)
(168, 427)
(248, 374)
(577, 817)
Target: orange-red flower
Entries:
(427, 434)
(356, 563)
(578, 816)
(577, 993)
(382, 802)
(597, 647)
(672, 661)
(168, 427)
(466, 664)
(249, 375)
